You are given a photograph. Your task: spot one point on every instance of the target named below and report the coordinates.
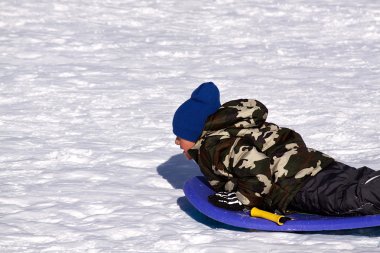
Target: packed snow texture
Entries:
(87, 93)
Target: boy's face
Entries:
(185, 145)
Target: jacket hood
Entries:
(241, 113)
(234, 116)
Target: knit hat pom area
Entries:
(190, 118)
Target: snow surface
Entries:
(88, 89)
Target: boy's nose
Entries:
(176, 141)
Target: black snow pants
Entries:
(340, 190)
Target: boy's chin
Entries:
(188, 157)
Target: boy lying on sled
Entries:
(253, 163)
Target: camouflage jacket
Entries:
(265, 164)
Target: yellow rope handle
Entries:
(276, 218)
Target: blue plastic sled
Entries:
(197, 191)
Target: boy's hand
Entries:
(227, 200)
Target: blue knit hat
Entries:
(190, 118)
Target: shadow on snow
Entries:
(176, 171)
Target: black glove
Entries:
(227, 200)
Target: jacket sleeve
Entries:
(202, 154)
(251, 171)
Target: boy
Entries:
(253, 163)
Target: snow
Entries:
(87, 93)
